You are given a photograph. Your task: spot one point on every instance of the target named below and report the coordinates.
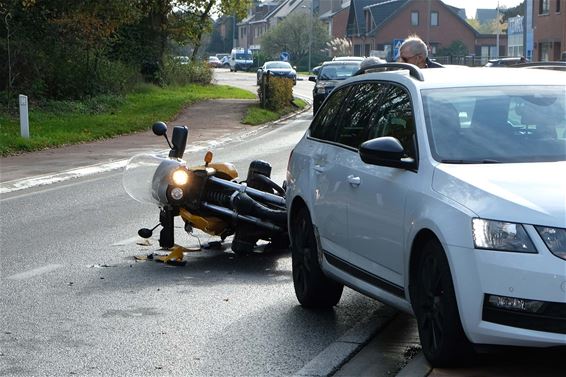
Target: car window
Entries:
(338, 71)
(496, 124)
(361, 105)
(324, 124)
(395, 118)
(375, 110)
(278, 65)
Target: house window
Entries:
(543, 7)
(558, 6)
(433, 18)
(415, 18)
(545, 53)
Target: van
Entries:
(240, 59)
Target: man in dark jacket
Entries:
(414, 51)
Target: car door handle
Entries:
(353, 180)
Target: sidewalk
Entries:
(203, 125)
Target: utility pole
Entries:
(497, 35)
(310, 34)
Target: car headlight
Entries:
(502, 236)
(555, 240)
(180, 177)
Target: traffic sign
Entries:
(284, 56)
(396, 48)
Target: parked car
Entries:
(277, 69)
(556, 66)
(348, 58)
(443, 195)
(214, 62)
(329, 75)
(225, 62)
(505, 62)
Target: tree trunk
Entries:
(202, 22)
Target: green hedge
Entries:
(276, 93)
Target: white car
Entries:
(442, 194)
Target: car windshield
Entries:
(496, 124)
(277, 65)
(242, 56)
(338, 71)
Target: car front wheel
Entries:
(312, 288)
(443, 340)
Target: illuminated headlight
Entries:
(555, 240)
(512, 303)
(180, 177)
(177, 193)
(503, 236)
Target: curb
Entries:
(417, 367)
(333, 357)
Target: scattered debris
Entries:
(100, 266)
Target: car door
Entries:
(350, 129)
(376, 205)
(329, 189)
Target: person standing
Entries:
(414, 51)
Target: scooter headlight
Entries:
(180, 177)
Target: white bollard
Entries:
(24, 118)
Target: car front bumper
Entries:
(516, 278)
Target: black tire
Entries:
(312, 288)
(443, 340)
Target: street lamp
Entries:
(310, 30)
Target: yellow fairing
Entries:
(211, 225)
(224, 170)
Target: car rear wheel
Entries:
(312, 288)
(442, 337)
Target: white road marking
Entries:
(35, 272)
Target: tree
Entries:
(456, 48)
(192, 19)
(289, 35)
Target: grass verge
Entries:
(58, 123)
(257, 115)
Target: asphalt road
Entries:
(75, 301)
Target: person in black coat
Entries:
(414, 51)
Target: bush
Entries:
(276, 93)
(176, 73)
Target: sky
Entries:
(472, 5)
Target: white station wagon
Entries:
(441, 192)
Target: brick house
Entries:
(549, 30)
(373, 25)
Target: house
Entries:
(377, 24)
(485, 16)
(549, 29)
(334, 13)
(251, 28)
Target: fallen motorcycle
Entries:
(207, 197)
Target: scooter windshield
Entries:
(140, 180)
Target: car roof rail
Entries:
(414, 71)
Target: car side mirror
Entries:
(312, 78)
(385, 151)
(295, 67)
